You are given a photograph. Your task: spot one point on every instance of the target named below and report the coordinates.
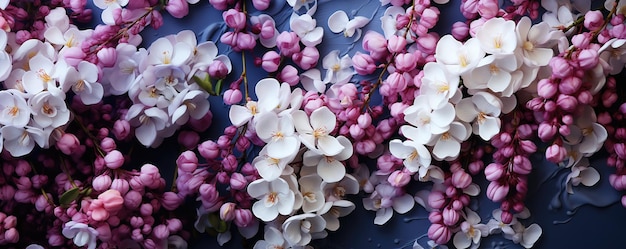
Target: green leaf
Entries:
(69, 196)
(218, 224)
(205, 83)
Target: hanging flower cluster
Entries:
(402, 106)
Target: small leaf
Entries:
(205, 83)
(69, 196)
(218, 224)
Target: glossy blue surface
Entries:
(597, 225)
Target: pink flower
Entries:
(68, 144)
(271, 61)
(111, 200)
(218, 69)
(261, 4)
(114, 159)
(307, 58)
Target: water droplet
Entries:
(378, 245)
(397, 241)
(369, 239)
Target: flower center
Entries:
(272, 198)
(445, 136)
(305, 226)
(443, 87)
(481, 117)
(166, 57)
(462, 60)
(14, 111)
(587, 131)
(529, 46)
(43, 75)
(497, 42)
(493, 69)
(309, 196)
(319, 132)
(413, 155)
(80, 86)
(339, 191)
(47, 109)
(336, 67)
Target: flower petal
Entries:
(337, 21)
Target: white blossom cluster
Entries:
(159, 82)
(37, 76)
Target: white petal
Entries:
(531, 235)
(461, 240)
(266, 214)
(489, 128)
(331, 170)
(329, 145)
(403, 204)
(383, 215)
(589, 176)
(283, 148)
(239, 115)
(337, 21)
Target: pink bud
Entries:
(581, 40)
(496, 192)
(396, 44)
(560, 67)
(219, 4)
(208, 149)
(73, 55)
(228, 211)
(107, 56)
(121, 129)
(238, 181)
(187, 161)
(450, 216)
(289, 74)
(488, 9)
(506, 217)
(112, 200)
(399, 179)
(188, 139)
(546, 131)
(363, 63)
(546, 88)
(218, 69)
(114, 159)
(132, 200)
(439, 233)
(101, 183)
(234, 19)
(177, 8)
(232, 96)
(261, 4)
(567, 102)
(120, 185)
(461, 179)
(521, 165)
(588, 59)
(570, 85)
(556, 153)
(435, 216)
(307, 58)
(460, 30)
(243, 217)
(68, 144)
(593, 20)
(288, 43)
(436, 200)
(271, 61)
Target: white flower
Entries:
(448, 144)
(614, 53)
(311, 81)
(340, 22)
(276, 97)
(273, 238)
(274, 197)
(471, 231)
(34, 246)
(108, 6)
(121, 76)
(438, 84)
(388, 23)
(188, 104)
(240, 115)
(271, 168)
(515, 231)
(268, 42)
(588, 135)
(83, 82)
(81, 233)
(300, 229)
(457, 57)
(298, 4)
(581, 173)
(49, 110)
(69, 38)
(163, 51)
(385, 199)
(4, 4)
(20, 141)
(558, 16)
(5, 59)
(41, 75)
(608, 5)
(330, 168)
(426, 120)
(278, 133)
(415, 156)
(332, 211)
(337, 191)
(494, 73)
(14, 110)
(311, 189)
(497, 36)
(315, 132)
(431, 244)
(338, 70)
(149, 121)
(305, 27)
(532, 40)
(483, 109)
